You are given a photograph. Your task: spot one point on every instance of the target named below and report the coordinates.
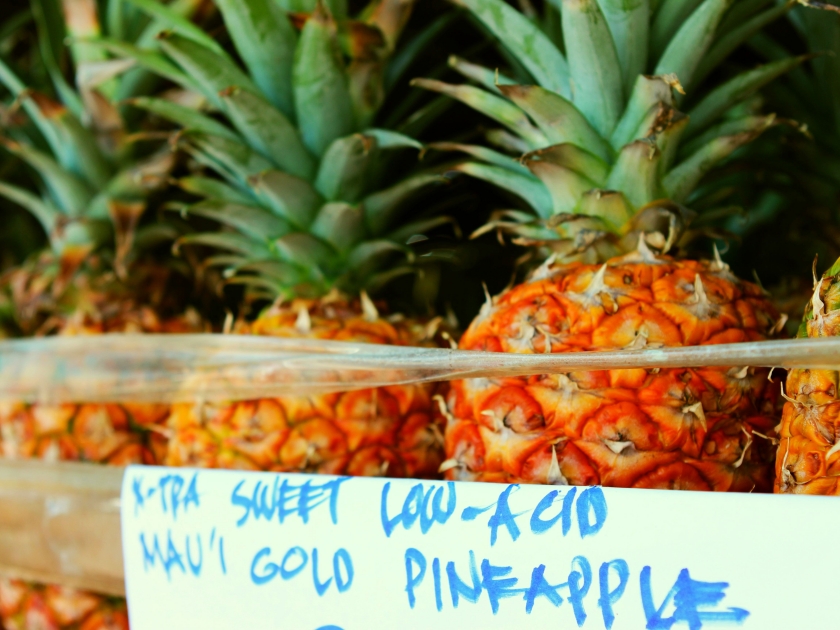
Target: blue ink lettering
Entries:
(413, 558)
(136, 485)
(496, 585)
(458, 588)
(609, 596)
(592, 499)
(688, 596)
(270, 568)
(503, 516)
(540, 525)
(437, 515)
(285, 572)
(195, 568)
(541, 588)
(320, 587)
(341, 583)
(579, 583)
(286, 499)
(436, 576)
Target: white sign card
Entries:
(209, 549)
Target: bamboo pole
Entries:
(60, 524)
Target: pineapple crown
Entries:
(94, 185)
(606, 151)
(301, 187)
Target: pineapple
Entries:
(309, 216)
(807, 461)
(95, 186)
(90, 280)
(608, 164)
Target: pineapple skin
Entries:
(692, 429)
(389, 431)
(26, 606)
(394, 431)
(807, 460)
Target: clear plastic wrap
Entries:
(181, 368)
(59, 522)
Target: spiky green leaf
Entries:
(340, 224)
(230, 241)
(387, 139)
(597, 89)
(345, 168)
(381, 206)
(69, 193)
(528, 187)
(636, 173)
(186, 117)
(179, 24)
(47, 214)
(211, 72)
(490, 105)
(321, 93)
(683, 178)
(268, 131)
(251, 221)
(563, 184)
(667, 19)
(266, 40)
(572, 157)
(608, 205)
(734, 91)
(726, 44)
(691, 42)
(484, 154)
(214, 189)
(233, 160)
(557, 118)
(647, 95)
(151, 60)
(628, 21)
(305, 250)
(287, 196)
(487, 78)
(525, 41)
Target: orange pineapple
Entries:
(95, 185)
(697, 429)
(807, 461)
(394, 431)
(64, 295)
(27, 607)
(591, 138)
(296, 175)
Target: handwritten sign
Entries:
(226, 549)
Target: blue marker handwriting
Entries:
(694, 603)
(430, 503)
(186, 553)
(581, 588)
(174, 492)
(295, 560)
(286, 498)
(423, 501)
